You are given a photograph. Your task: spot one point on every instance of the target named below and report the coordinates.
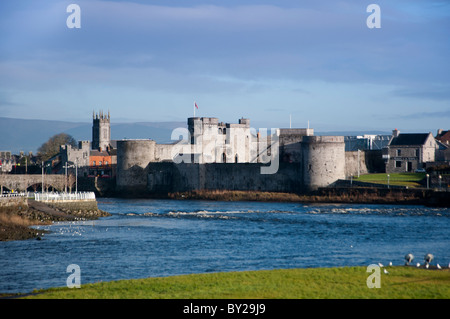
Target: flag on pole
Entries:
(195, 107)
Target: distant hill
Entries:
(27, 135)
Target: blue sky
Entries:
(264, 60)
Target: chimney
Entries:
(395, 133)
(439, 132)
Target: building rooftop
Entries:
(410, 139)
(443, 136)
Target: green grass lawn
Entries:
(310, 283)
(401, 179)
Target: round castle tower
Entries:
(133, 157)
(323, 160)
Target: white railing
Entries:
(44, 197)
(27, 194)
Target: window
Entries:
(417, 152)
(399, 152)
(93, 163)
(100, 163)
(398, 163)
(106, 162)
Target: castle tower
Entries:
(101, 131)
(323, 160)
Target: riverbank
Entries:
(343, 195)
(18, 214)
(400, 282)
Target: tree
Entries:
(51, 147)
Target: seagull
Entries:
(385, 271)
(380, 264)
(427, 265)
(390, 263)
(409, 258)
(418, 264)
(438, 266)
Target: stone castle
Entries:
(212, 155)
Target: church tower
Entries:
(101, 131)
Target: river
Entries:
(152, 238)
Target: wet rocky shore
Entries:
(18, 214)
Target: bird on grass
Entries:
(390, 263)
(381, 265)
(385, 271)
(438, 266)
(428, 258)
(418, 265)
(409, 258)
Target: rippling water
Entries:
(148, 238)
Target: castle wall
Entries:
(170, 177)
(163, 152)
(355, 163)
(370, 161)
(290, 144)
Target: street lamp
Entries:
(72, 165)
(428, 181)
(43, 165)
(42, 177)
(76, 176)
(65, 180)
(388, 179)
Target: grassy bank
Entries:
(310, 283)
(398, 179)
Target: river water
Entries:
(152, 238)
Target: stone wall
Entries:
(73, 206)
(370, 161)
(13, 201)
(170, 177)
